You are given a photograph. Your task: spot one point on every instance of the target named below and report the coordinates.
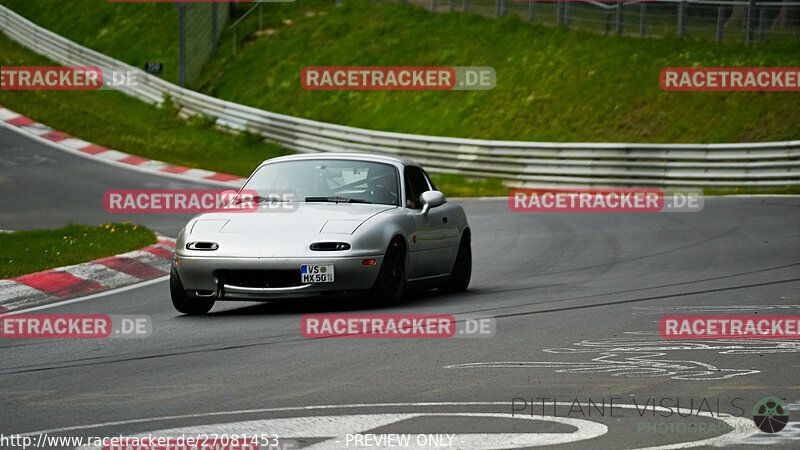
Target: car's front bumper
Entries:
(203, 276)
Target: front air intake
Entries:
(329, 246)
(203, 246)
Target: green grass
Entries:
(24, 252)
(460, 186)
(553, 84)
(787, 190)
(117, 121)
(132, 32)
(120, 122)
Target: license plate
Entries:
(316, 273)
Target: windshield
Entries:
(328, 180)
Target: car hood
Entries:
(279, 232)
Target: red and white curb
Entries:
(101, 274)
(63, 141)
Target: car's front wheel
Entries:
(390, 287)
(181, 300)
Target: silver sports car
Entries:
(325, 225)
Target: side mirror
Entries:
(431, 199)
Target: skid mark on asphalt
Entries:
(720, 308)
(641, 366)
(725, 233)
(642, 357)
(628, 291)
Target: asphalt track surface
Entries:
(576, 297)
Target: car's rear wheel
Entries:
(462, 268)
(181, 300)
(390, 287)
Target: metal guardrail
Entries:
(520, 164)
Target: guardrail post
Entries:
(531, 11)
(503, 8)
(720, 25)
(682, 18)
(559, 7)
(464, 6)
(751, 5)
(620, 19)
(643, 20)
(182, 44)
(214, 26)
(762, 20)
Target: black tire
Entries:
(390, 287)
(462, 268)
(181, 300)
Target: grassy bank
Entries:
(117, 121)
(132, 32)
(120, 122)
(553, 84)
(24, 252)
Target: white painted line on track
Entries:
(101, 274)
(334, 429)
(6, 114)
(74, 143)
(742, 423)
(112, 155)
(12, 291)
(90, 297)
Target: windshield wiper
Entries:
(336, 200)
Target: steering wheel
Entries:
(380, 193)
